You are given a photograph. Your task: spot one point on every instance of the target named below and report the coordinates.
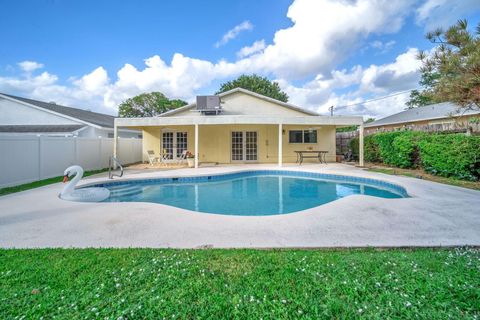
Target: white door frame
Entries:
(244, 146)
(174, 141)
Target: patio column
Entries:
(115, 143)
(196, 146)
(280, 145)
(360, 146)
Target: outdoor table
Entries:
(310, 154)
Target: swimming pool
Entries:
(250, 193)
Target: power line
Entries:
(375, 99)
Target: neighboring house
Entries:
(242, 127)
(435, 117)
(22, 116)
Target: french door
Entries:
(174, 143)
(244, 146)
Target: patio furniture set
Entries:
(166, 158)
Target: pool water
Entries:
(250, 193)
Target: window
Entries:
(110, 135)
(302, 136)
(295, 136)
(310, 136)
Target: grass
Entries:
(41, 183)
(239, 284)
(420, 174)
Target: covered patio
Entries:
(230, 139)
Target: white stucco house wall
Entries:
(22, 116)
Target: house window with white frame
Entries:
(302, 136)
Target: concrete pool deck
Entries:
(435, 215)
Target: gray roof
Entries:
(433, 111)
(40, 128)
(99, 119)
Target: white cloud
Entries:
(180, 79)
(382, 47)
(233, 33)
(94, 82)
(325, 32)
(26, 84)
(315, 93)
(29, 66)
(351, 105)
(444, 13)
(402, 74)
(256, 47)
(359, 82)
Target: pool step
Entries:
(127, 190)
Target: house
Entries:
(239, 126)
(435, 117)
(22, 116)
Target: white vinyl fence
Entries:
(31, 158)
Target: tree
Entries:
(255, 83)
(452, 71)
(148, 105)
(426, 96)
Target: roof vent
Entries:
(52, 102)
(209, 105)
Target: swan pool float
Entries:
(82, 194)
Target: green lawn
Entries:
(418, 173)
(41, 183)
(241, 284)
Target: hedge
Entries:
(372, 153)
(449, 155)
(372, 150)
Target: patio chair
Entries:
(165, 157)
(183, 157)
(151, 157)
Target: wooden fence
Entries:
(343, 141)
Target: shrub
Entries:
(451, 155)
(353, 144)
(386, 148)
(399, 149)
(406, 149)
(372, 151)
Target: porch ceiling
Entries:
(239, 119)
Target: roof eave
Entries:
(372, 124)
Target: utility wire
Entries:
(375, 99)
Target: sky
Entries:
(95, 54)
